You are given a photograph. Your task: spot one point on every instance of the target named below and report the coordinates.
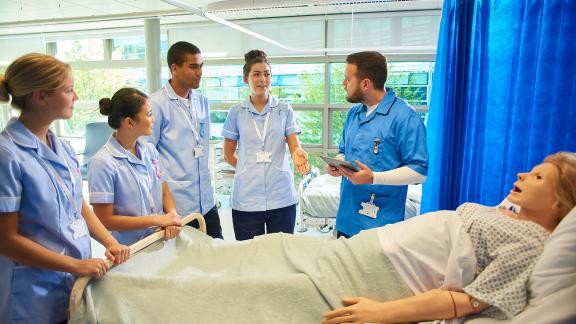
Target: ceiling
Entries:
(19, 13)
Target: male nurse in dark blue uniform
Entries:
(384, 136)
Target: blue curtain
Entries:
(503, 96)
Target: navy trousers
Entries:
(249, 224)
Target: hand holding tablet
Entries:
(339, 163)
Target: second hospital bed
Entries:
(319, 196)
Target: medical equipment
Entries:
(81, 283)
(339, 163)
(319, 196)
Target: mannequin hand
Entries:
(364, 176)
(117, 253)
(300, 158)
(356, 310)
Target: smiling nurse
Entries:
(264, 196)
(44, 221)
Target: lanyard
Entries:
(261, 136)
(50, 169)
(149, 191)
(189, 117)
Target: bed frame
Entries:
(306, 221)
(81, 283)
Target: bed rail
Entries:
(314, 172)
(81, 283)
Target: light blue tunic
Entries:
(402, 142)
(132, 184)
(262, 186)
(174, 138)
(45, 188)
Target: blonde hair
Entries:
(28, 73)
(565, 162)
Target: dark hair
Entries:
(254, 57)
(126, 102)
(370, 65)
(178, 51)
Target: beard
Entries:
(355, 97)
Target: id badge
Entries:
(78, 228)
(369, 209)
(263, 157)
(198, 151)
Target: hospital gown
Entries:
(506, 251)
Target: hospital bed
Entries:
(552, 285)
(319, 196)
(81, 283)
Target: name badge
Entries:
(263, 157)
(79, 228)
(198, 151)
(369, 209)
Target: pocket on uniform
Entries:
(390, 208)
(281, 183)
(39, 293)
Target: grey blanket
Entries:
(276, 278)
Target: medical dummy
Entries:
(45, 224)
(442, 265)
(126, 179)
(255, 135)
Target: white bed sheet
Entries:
(322, 196)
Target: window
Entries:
(4, 115)
(310, 122)
(338, 118)
(410, 80)
(80, 50)
(90, 87)
(298, 83)
(217, 119)
(337, 93)
(133, 47)
(292, 83)
(223, 84)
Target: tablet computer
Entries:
(339, 163)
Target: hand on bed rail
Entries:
(171, 224)
(95, 268)
(117, 253)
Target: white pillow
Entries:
(556, 268)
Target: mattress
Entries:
(322, 196)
